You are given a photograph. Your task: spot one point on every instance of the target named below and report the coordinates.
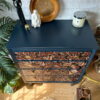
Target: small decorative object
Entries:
(35, 19)
(48, 9)
(79, 19)
(48, 98)
(83, 94)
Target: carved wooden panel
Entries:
(52, 55)
(51, 71)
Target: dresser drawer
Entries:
(50, 75)
(49, 71)
(51, 65)
(52, 55)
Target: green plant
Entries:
(8, 72)
(3, 4)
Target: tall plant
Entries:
(8, 72)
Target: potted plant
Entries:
(9, 78)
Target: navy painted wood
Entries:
(56, 34)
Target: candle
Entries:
(79, 19)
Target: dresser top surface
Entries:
(58, 33)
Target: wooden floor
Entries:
(58, 91)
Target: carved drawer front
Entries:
(50, 75)
(51, 65)
(39, 71)
(52, 55)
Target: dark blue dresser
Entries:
(55, 52)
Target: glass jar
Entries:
(79, 19)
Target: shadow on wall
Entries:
(92, 17)
(61, 7)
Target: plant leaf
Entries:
(6, 26)
(8, 68)
(3, 51)
(1, 78)
(8, 89)
(8, 71)
(15, 82)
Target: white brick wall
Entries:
(68, 7)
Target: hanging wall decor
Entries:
(18, 5)
(48, 9)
